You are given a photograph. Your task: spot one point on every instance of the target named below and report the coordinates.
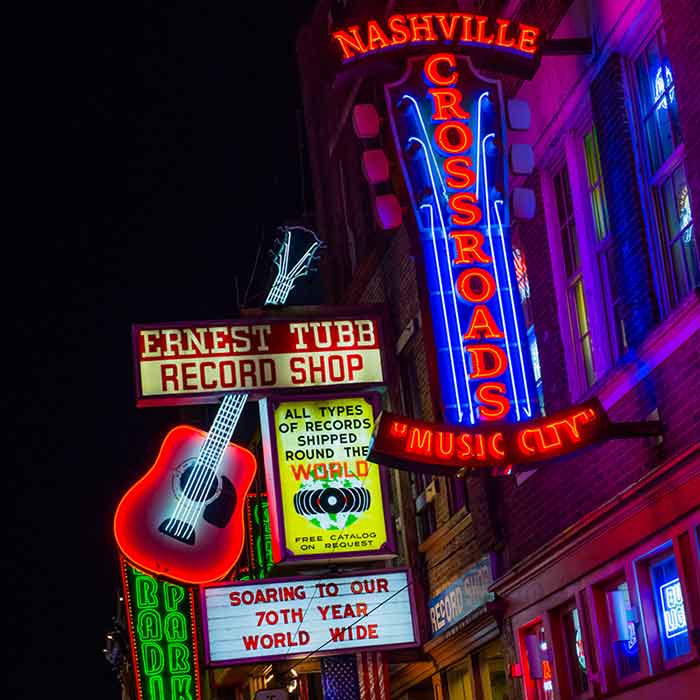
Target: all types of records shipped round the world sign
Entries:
(326, 497)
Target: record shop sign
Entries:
(198, 361)
(468, 593)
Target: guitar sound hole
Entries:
(202, 478)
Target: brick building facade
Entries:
(595, 558)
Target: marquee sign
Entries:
(450, 133)
(163, 637)
(198, 362)
(287, 618)
(327, 498)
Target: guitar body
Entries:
(185, 522)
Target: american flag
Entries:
(339, 678)
(364, 676)
(373, 676)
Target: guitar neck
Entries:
(222, 429)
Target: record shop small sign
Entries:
(285, 618)
(469, 592)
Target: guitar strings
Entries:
(200, 497)
(232, 404)
(201, 463)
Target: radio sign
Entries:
(328, 497)
(197, 362)
(287, 618)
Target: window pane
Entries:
(539, 662)
(459, 683)
(576, 657)
(677, 220)
(670, 610)
(623, 631)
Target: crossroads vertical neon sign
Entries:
(449, 128)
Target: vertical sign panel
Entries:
(163, 637)
(449, 129)
(328, 498)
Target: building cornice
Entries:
(671, 476)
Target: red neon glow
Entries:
(434, 76)
(493, 402)
(460, 173)
(468, 213)
(453, 137)
(411, 443)
(478, 355)
(421, 28)
(430, 28)
(446, 102)
(482, 325)
(466, 289)
(470, 247)
(151, 500)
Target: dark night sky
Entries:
(149, 180)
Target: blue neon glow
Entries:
(458, 398)
(427, 141)
(671, 598)
(411, 108)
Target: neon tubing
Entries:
(495, 269)
(444, 308)
(427, 140)
(478, 140)
(454, 300)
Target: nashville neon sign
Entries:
(451, 138)
(454, 28)
(447, 449)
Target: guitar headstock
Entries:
(294, 256)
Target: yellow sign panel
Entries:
(331, 496)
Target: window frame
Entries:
(650, 181)
(559, 647)
(571, 155)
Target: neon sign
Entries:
(447, 449)
(163, 637)
(452, 142)
(418, 30)
(671, 597)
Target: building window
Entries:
(537, 662)
(677, 241)
(526, 302)
(576, 664)
(459, 681)
(623, 625)
(575, 298)
(426, 520)
(670, 608)
(603, 246)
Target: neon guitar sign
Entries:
(185, 518)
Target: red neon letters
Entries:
(430, 28)
(442, 448)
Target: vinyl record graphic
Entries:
(332, 500)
